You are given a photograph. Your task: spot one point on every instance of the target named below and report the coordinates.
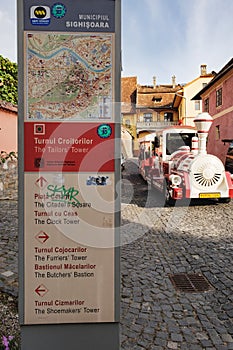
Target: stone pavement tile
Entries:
(149, 331)
(227, 338)
(176, 337)
(222, 347)
(7, 273)
(206, 343)
(162, 335)
(160, 342)
(172, 345)
(195, 347)
(144, 343)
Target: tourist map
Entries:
(69, 76)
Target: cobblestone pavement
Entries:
(184, 239)
(157, 242)
(9, 246)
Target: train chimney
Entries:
(203, 123)
(194, 148)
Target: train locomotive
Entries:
(177, 164)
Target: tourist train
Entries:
(175, 162)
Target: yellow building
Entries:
(188, 109)
(147, 109)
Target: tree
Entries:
(8, 80)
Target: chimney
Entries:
(203, 69)
(173, 81)
(154, 81)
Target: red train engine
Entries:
(177, 164)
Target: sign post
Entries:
(69, 213)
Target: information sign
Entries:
(69, 82)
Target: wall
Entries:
(8, 127)
(215, 145)
(190, 90)
(222, 127)
(126, 143)
(9, 180)
(226, 83)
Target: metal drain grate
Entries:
(190, 282)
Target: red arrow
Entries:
(43, 236)
(41, 290)
(40, 182)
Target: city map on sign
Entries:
(69, 76)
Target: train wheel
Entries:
(169, 201)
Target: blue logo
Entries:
(40, 15)
(58, 10)
(104, 131)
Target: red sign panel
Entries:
(68, 147)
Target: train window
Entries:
(177, 140)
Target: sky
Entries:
(160, 38)
(163, 38)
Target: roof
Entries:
(128, 89)
(7, 106)
(218, 76)
(128, 94)
(207, 75)
(177, 98)
(160, 96)
(144, 96)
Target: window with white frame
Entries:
(219, 97)
(127, 122)
(197, 105)
(147, 117)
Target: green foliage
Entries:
(8, 81)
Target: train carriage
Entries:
(176, 163)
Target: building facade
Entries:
(147, 108)
(217, 100)
(188, 109)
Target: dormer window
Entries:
(157, 99)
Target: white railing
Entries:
(156, 124)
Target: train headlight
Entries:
(175, 179)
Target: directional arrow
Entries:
(41, 182)
(41, 290)
(42, 236)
